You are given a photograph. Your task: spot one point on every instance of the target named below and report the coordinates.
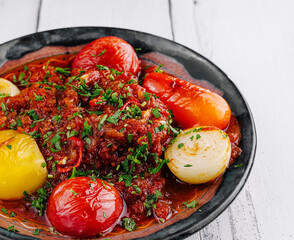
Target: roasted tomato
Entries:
(112, 52)
(81, 207)
(191, 105)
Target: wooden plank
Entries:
(69, 18)
(252, 41)
(186, 29)
(153, 18)
(132, 14)
(241, 212)
(17, 18)
(227, 226)
(218, 229)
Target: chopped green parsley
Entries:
(156, 112)
(12, 229)
(129, 224)
(180, 145)
(39, 97)
(102, 120)
(102, 52)
(188, 165)
(36, 232)
(191, 204)
(73, 192)
(4, 210)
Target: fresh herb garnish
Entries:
(76, 114)
(104, 185)
(180, 145)
(159, 129)
(57, 118)
(115, 72)
(150, 200)
(12, 214)
(130, 138)
(114, 118)
(101, 67)
(102, 52)
(191, 204)
(147, 96)
(4, 210)
(156, 112)
(127, 179)
(188, 165)
(158, 69)
(129, 224)
(19, 123)
(71, 133)
(63, 71)
(33, 115)
(87, 130)
(137, 189)
(102, 120)
(73, 192)
(157, 169)
(40, 200)
(238, 165)
(36, 231)
(4, 107)
(132, 81)
(197, 129)
(12, 229)
(149, 138)
(39, 97)
(12, 125)
(56, 142)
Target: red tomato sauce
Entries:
(109, 140)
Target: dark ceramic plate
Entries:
(24, 49)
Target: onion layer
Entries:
(8, 88)
(199, 155)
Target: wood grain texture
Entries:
(152, 17)
(252, 41)
(17, 18)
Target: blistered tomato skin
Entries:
(112, 52)
(81, 207)
(191, 105)
(22, 166)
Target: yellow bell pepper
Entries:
(22, 166)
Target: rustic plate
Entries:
(68, 40)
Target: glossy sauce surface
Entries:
(174, 190)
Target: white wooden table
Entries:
(252, 41)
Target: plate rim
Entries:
(184, 227)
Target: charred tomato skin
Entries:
(82, 207)
(191, 105)
(112, 52)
